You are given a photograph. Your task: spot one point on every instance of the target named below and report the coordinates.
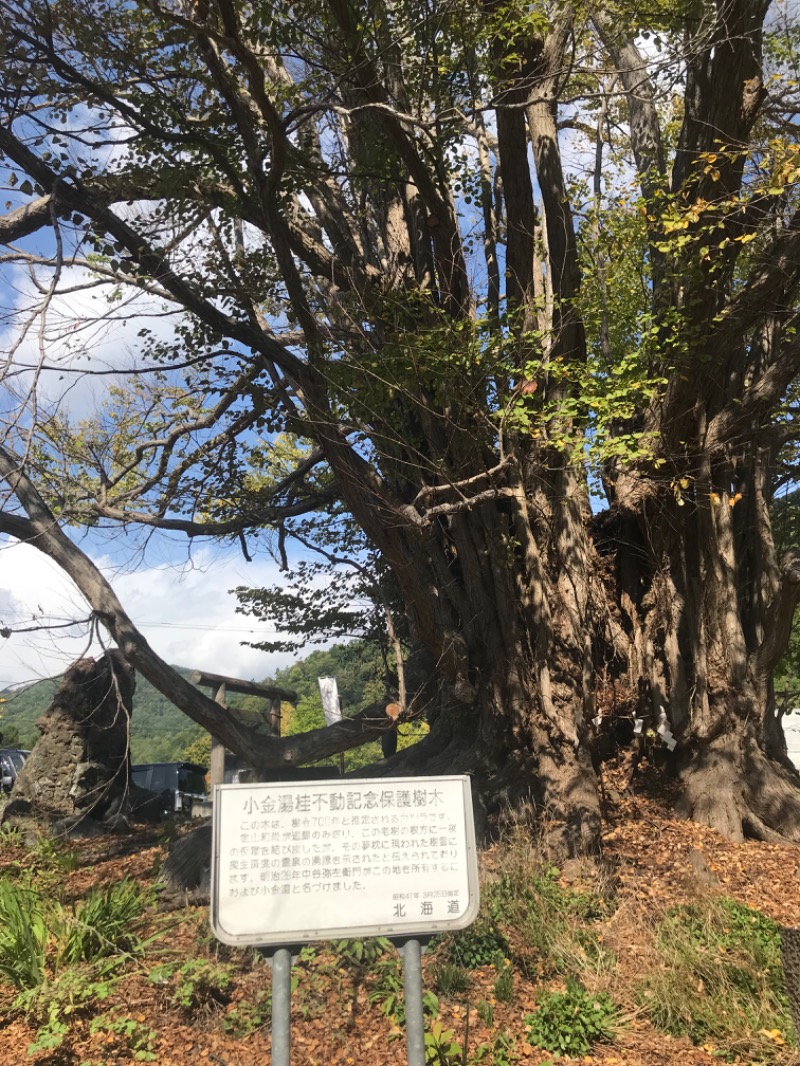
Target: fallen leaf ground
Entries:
(656, 862)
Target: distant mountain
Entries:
(161, 733)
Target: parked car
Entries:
(11, 762)
(180, 784)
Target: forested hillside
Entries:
(161, 733)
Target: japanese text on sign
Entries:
(309, 860)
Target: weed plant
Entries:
(198, 985)
(106, 923)
(361, 955)
(38, 935)
(441, 1047)
(551, 929)
(721, 981)
(251, 1016)
(10, 836)
(46, 863)
(62, 961)
(388, 992)
(59, 1000)
(138, 1039)
(23, 935)
(502, 1051)
(450, 979)
(485, 1011)
(50, 860)
(570, 1022)
(504, 984)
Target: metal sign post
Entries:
(281, 1006)
(412, 991)
(294, 862)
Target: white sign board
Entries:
(791, 725)
(321, 860)
(331, 706)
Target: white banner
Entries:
(329, 691)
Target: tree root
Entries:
(772, 796)
(736, 789)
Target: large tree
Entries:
(479, 262)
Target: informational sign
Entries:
(322, 860)
(331, 706)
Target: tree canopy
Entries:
(497, 302)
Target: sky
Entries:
(184, 610)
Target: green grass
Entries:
(721, 982)
(545, 928)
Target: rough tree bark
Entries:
(707, 606)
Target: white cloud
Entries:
(187, 616)
(84, 331)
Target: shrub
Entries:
(477, 946)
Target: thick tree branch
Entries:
(23, 221)
(39, 529)
(151, 261)
(776, 273)
(735, 421)
(778, 627)
(633, 71)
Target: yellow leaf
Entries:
(714, 497)
(734, 499)
(772, 1034)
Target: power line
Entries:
(39, 625)
(222, 629)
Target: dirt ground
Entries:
(654, 860)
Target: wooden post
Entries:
(224, 685)
(217, 761)
(274, 716)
